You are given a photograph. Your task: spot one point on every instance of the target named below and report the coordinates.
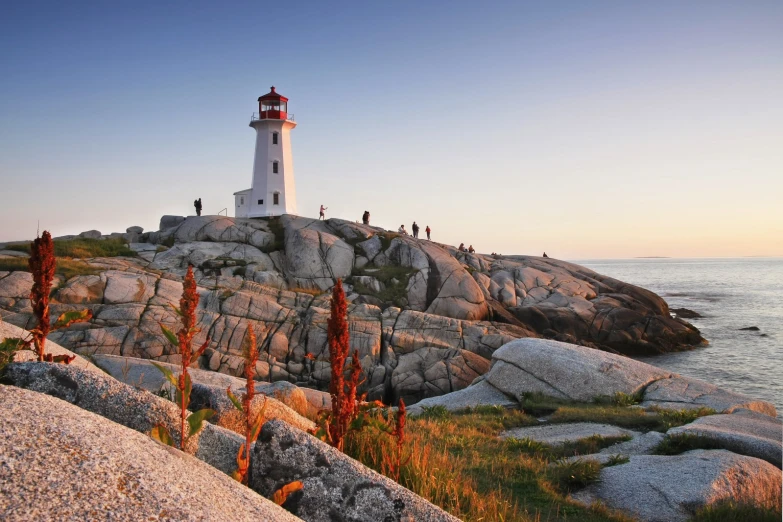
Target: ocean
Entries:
(730, 294)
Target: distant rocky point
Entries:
(424, 317)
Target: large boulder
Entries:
(745, 432)
(335, 485)
(567, 371)
(451, 290)
(429, 372)
(315, 257)
(678, 392)
(655, 488)
(60, 462)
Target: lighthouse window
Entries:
(274, 138)
(276, 198)
(275, 168)
(260, 201)
(241, 200)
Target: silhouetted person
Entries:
(545, 255)
(321, 212)
(461, 247)
(366, 218)
(427, 230)
(471, 249)
(415, 229)
(197, 204)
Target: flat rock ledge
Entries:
(643, 444)
(122, 475)
(745, 432)
(656, 488)
(559, 434)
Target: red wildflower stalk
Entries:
(42, 265)
(395, 463)
(252, 423)
(344, 404)
(183, 339)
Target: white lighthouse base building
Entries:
(273, 191)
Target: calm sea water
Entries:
(730, 294)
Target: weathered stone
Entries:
(134, 230)
(451, 290)
(745, 432)
(122, 475)
(371, 247)
(314, 256)
(100, 394)
(127, 287)
(227, 416)
(679, 392)
(16, 285)
(567, 371)
(559, 434)
(333, 482)
(479, 394)
(656, 488)
(430, 372)
(170, 221)
(90, 234)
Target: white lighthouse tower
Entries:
(273, 192)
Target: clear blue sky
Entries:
(586, 129)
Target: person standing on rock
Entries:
(427, 230)
(321, 213)
(197, 204)
(415, 229)
(366, 217)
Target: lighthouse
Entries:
(272, 192)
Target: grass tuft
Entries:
(83, 248)
(573, 475)
(733, 512)
(67, 268)
(682, 442)
(616, 460)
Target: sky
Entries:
(601, 129)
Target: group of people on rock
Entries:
(462, 248)
(415, 230)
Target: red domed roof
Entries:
(273, 95)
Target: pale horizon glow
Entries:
(587, 130)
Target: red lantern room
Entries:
(273, 106)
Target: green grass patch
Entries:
(67, 268)
(616, 460)
(682, 442)
(459, 462)
(82, 248)
(573, 475)
(394, 278)
(733, 512)
(275, 227)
